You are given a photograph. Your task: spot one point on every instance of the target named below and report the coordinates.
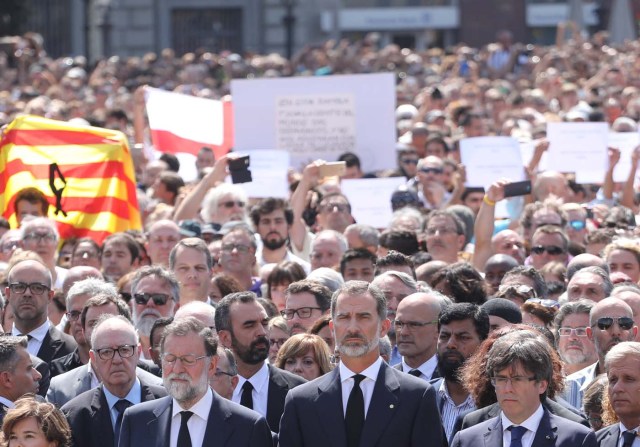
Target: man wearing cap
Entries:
(161, 238)
(190, 228)
(502, 312)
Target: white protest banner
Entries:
(318, 117)
(488, 159)
(370, 199)
(527, 149)
(625, 142)
(269, 174)
(579, 148)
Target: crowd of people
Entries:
(234, 321)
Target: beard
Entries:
(185, 391)
(449, 367)
(253, 354)
(274, 244)
(354, 349)
(144, 321)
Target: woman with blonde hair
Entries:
(306, 355)
(35, 424)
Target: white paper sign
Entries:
(626, 142)
(488, 159)
(579, 148)
(269, 174)
(370, 199)
(527, 148)
(318, 117)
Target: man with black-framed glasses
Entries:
(611, 322)
(96, 415)
(29, 293)
(305, 302)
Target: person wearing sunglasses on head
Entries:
(591, 283)
(549, 243)
(611, 322)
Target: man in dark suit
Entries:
(29, 293)
(95, 416)
(193, 414)
(363, 402)
(17, 374)
(241, 323)
(520, 368)
(622, 364)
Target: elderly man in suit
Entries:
(192, 414)
(363, 402)
(520, 369)
(65, 387)
(17, 373)
(242, 327)
(622, 364)
(95, 416)
(29, 293)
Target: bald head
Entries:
(508, 242)
(550, 183)
(203, 312)
(425, 271)
(79, 273)
(585, 260)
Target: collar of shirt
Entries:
(200, 408)
(259, 380)
(427, 368)
(370, 373)
(445, 392)
(132, 396)
(530, 424)
(623, 429)
(38, 333)
(6, 402)
(92, 375)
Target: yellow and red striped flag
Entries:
(86, 173)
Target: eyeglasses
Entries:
(34, 287)
(409, 161)
(604, 323)
(303, 312)
(551, 249)
(329, 207)
(516, 381)
(568, 331)
(578, 224)
(412, 325)
(124, 351)
(277, 341)
(518, 290)
(37, 237)
(126, 296)
(544, 302)
(231, 203)
(186, 360)
(432, 170)
(228, 248)
(443, 230)
(73, 315)
(220, 372)
(159, 299)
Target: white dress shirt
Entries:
(531, 424)
(197, 422)
(367, 385)
(37, 337)
(426, 369)
(134, 396)
(636, 442)
(260, 393)
(6, 402)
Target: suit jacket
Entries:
(149, 424)
(66, 386)
(43, 369)
(56, 344)
(436, 373)
(90, 417)
(553, 431)
(402, 412)
(608, 436)
(280, 382)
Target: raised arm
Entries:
(627, 189)
(484, 225)
(608, 185)
(310, 178)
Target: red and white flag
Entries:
(183, 124)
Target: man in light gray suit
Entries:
(66, 386)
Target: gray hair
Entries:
(407, 280)
(91, 287)
(228, 354)
(607, 285)
(9, 351)
(161, 273)
(327, 277)
(622, 351)
(367, 234)
(408, 213)
(107, 317)
(326, 234)
(210, 201)
(184, 326)
(361, 288)
(385, 346)
(570, 308)
(39, 221)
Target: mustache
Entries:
(355, 335)
(260, 340)
(152, 312)
(179, 376)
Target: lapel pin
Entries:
(548, 437)
(391, 406)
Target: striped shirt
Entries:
(449, 411)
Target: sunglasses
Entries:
(432, 170)
(409, 161)
(544, 302)
(231, 203)
(522, 290)
(159, 299)
(604, 323)
(551, 249)
(577, 224)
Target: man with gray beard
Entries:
(363, 401)
(156, 294)
(192, 414)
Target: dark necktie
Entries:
(517, 433)
(120, 406)
(184, 438)
(628, 437)
(355, 412)
(415, 372)
(246, 400)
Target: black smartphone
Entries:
(517, 189)
(239, 169)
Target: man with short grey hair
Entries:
(590, 283)
(17, 374)
(575, 348)
(327, 249)
(362, 236)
